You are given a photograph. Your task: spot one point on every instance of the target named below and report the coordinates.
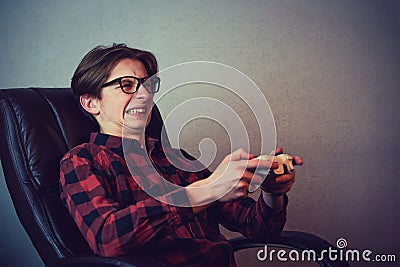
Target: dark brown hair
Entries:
(96, 66)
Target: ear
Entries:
(90, 104)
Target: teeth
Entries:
(136, 111)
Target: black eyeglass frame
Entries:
(140, 82)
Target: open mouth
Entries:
(132, 111)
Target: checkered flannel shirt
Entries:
(116, 217)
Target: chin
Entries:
(134, 128)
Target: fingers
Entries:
(298, 160)
(252, 164)
(285, 178)
(278, 151)
(283, 188)
(240, 154)
(249, 177)
(244, 162)
(260, 163)
(242, 189)
(279, 184)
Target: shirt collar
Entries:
(114, 143)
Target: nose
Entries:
(142, 93)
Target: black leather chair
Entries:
(38, 125)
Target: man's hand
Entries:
(232, 177)
(280, 184)
(274, 186)
(230, 180)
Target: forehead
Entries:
(128, 67)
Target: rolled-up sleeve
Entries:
(253, 219)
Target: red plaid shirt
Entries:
(117, 217)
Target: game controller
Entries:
(285, 162)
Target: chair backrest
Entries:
(38, 126)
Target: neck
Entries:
(136, 135)
(140, 138)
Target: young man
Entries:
(115, 215)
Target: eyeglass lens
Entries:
(131, 85)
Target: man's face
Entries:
(117, 107)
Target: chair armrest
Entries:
(97, 261)
(293, 240)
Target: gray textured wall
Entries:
(329, 69)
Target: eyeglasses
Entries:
(130, 84)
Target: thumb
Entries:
(240, 154)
